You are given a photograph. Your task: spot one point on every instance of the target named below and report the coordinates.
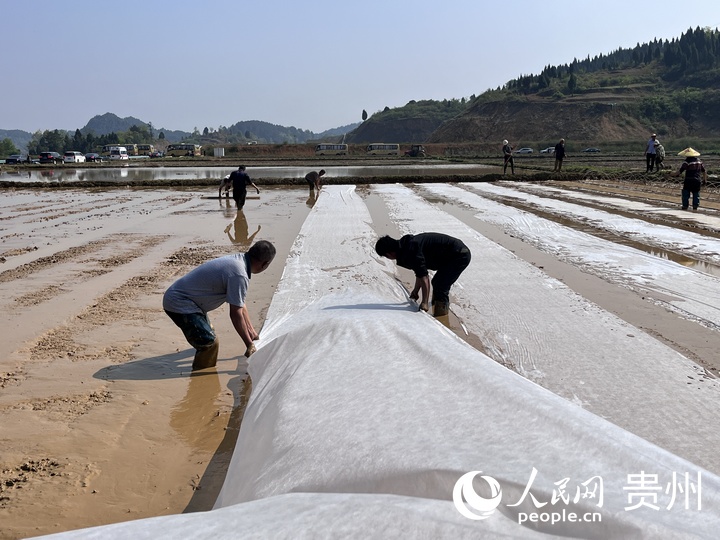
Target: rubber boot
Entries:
(206, 357)
(441, 308)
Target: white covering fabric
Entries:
(365, 413)
(562, 341)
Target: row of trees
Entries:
(695, 50)
(61, 141)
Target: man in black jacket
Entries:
(240, 181)
(428, 251)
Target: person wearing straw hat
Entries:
(695, 177)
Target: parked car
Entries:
(73, 157)
(524, 151)
(93, 157)
(16, 158)
(50, 157)
(548, 150)
(157, 154)
(416, 150)
(591, 150)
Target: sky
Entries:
(315, 65)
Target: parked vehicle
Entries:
(93, 157)
(331, 149)
(383, 149)
(416, 150)
(524, 151)
(118, 152)
(176, 150)
(157, 154)
(592, 150)
(548, 150)
(16, 158)
(50, 157)
(73, 157)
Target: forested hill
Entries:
(414, 122)
(669, 87)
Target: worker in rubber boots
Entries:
(447, 255)
(207, 287)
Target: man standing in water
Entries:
(240, 181)
(559, 155)
(508, 157)
(428, 251)
(695, 177)
(650, 153)
(207, 287)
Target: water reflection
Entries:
(193, 418)
(312, 198)
(695, 264)
(150, 174)
(227, 208)
(241, 230)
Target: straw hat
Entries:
(689, 152)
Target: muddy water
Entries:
(95, 378)
(160, 174)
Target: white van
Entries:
(73, 157)
(118, 152)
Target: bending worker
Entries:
(428, 251)
(209, 286)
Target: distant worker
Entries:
(559, 155)
(428, 251)
(314, 179)
(508, 157)
(240, 181)
(207, 287)
(695, 177)
(650, 153)
(659, 156)
(225, 184)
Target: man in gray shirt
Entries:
(207, 287)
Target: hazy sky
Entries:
(314, 65)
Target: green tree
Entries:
(78, 141)
(161, 136)
(7, 148)
(572, 83)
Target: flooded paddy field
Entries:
(103, 421)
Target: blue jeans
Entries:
(686, 198)
(196, 327)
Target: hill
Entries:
(414, 122)
(107, 123)
(19, 138)
(667, 87)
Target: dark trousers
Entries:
(511, 161)
(650, 159)
(448, 274)
(239, 196)
(196, 328)
(686, 198)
